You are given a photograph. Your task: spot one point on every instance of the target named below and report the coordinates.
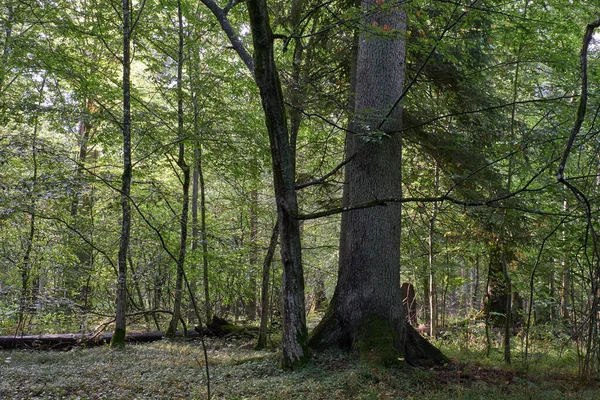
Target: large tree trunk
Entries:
(295, 335)
(366, 308)
(118, 339)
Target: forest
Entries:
(357, 199)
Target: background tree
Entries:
(118, 339)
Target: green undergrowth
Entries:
(175, 370)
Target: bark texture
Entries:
(295, 334)
(366, 308)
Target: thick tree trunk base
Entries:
(419, 351)
(378, 341)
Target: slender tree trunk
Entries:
(10, 18)
(138, 291)
(195, 186)
(552, 292)
(508, 322)
(566, 281)
(475, 301)
(159, 283)
(432, 282)
(265, 309)
(207, 307)
(295, 94)
(564, 292)
(31, 210)
(199, 189)
(185, 185)
(118, 339)
(80, 207)
(253, 256)
(295, 334)
(433, 316)
(366, 308)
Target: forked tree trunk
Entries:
(366, 309)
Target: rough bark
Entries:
(295, 335)
(366, 309)
(118, 339)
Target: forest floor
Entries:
(175, 370)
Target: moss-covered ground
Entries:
(175, 370)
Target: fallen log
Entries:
(221, 328)
(68, 340)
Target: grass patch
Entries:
(175, 370)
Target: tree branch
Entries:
(234, 39)
(581, 110)
(446, 197)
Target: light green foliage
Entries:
(469, 65)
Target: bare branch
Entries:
(494, 202)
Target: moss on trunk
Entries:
(118, 339)
(376, 341)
